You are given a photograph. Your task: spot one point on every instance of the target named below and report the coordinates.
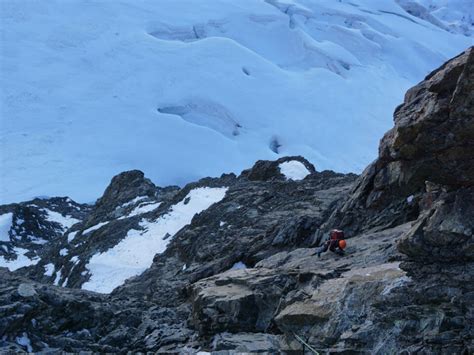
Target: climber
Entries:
(334, 243)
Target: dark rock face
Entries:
(122, 189)
(444, 231)
(432, 142)
(241, 275)
(433, 137)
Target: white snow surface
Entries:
(6, 221)
(49, 269)
(63, 252)
(135, 253)
(95, 227)
(24, 341)
(239, 266)
(71, 236)
(20, 261)
(141, 209)
(294, 170)
(135, 200)
(58, 277)
(66, 222)
(37, 240)
(93, 88)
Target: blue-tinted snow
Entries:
(183, 89)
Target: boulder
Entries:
(238, 300)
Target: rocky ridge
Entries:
(241, 276)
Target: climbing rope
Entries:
(305, 344)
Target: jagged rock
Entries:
(125, 187)
(46, 314)
(432, 140)
(445, 231)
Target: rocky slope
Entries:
(227, 264)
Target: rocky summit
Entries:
(229, 265)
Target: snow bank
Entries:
(294, 170)
(20, 261)
(6, 221)
(135, 253)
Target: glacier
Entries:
(186, 89)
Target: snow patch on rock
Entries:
(6, 221)
(20, 261)
(142, 208)
(58, 277)
(49, 269)
(71, 236)
(66, 222)
(95, 227)
(239, 266)
(134, 201)
(294, 170)
(25, 341)
(135, 253)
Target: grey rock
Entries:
(26, 290)
(228, 343)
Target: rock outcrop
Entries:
(238, 270)
(431, 144)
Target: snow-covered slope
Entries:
(134, 254)
(185, 89)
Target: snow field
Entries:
(90, 89)
(135, 253)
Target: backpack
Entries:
(336, 234)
